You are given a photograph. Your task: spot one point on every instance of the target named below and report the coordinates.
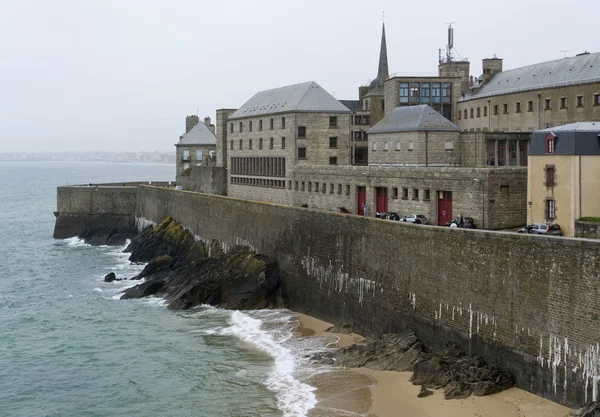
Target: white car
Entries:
(415, 218)
(179, 187)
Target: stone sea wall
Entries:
(528, 304)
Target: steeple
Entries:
(383, 71)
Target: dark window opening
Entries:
(301, 131)
(333, 160)
(301, 153)
(332, 121)
(333, 142)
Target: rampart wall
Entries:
(528, 304)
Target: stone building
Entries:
(533, 97)
(563, 182)
(196, 147)
(360, 123)
(279, 129)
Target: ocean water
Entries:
(70, 347)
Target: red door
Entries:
(382, 199)
(444, 207)
(361, 196)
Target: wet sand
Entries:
(367, 393)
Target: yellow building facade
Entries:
(563, 182)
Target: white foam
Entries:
(294, 397)
(75, 242)
(98, 289)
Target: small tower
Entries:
(190, 122)
(491, 67)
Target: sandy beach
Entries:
(367, 393)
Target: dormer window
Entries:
(550, 142)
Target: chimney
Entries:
(190, 122)
(207, 121)
(491, 67)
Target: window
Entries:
(240, 144)
(466, 117)
(530, 105)
(395, 192)
(410, 145)
(478, 112)
(484, 111)
(271, 124)
(323, 188)
(302, 186)
(250, 126)
(518, 107)
(271, 143)
(459, 115)
(250, 144)
(302, 153)
(283, 122)
(186, 165)
(548, 104)
(347, 190)
(405, 193)
(415, 96)
(425, 92)
(398, 145)
(260, 144)
(435, 92)
(446, 92)
(309, 186)
(295, 185)
(426, 195)
(241, 126)
(550, 209)
(580, 101)
(374, 145)
(550, 177)
(471, 113)
(403, 92)
(333, 160)
(282, 143)
(186, 154)
(330, 188)
(385, 146)
(260, 124)
(550, 143)
(495, 109)
(332, 121)
(449, 145)
(231, 128)
(333, 142)
(231, 147)
(563, 102)
(339, 188)
(596, 99)
(505, 109)
(415, 194)
(301, 131)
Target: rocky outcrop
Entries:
(188, 273)
(590, 410)
(458, 374)
(107, 236)
(110, 277)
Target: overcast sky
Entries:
(123, 74)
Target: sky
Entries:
(121, 75)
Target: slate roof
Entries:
(304, 97)
(574, 127)
(198, 135)
(561, 72)
(582, 138)
(413, 118)
(353, 105)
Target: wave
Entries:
(294, 398)
(75, 242)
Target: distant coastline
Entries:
(147, 157)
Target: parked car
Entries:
(551, 229)
(179, 187)
(415, 218)
(341, 210)
(467, 223)
(388, 215)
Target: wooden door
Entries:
(361, 197)
(382, 199)
(444, 207)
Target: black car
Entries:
(388, 215)
(466, 223)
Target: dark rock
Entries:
(590, 410)
(460, 375)
(424, 392)
(189, 273)
(108, 236)
(110, 277)
(341, 328)
(391, 352)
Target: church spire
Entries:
(383, 71)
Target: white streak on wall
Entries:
(141, 223)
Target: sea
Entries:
(69, 347)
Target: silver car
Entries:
(415, 218)
(542, 229)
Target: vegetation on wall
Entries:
(590, 219)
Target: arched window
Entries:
(550, 142)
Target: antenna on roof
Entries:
(564, 51)
(450, 45)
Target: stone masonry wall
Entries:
(588, 230)
(427, 148)
(527, 304)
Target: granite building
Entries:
(196, 147)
